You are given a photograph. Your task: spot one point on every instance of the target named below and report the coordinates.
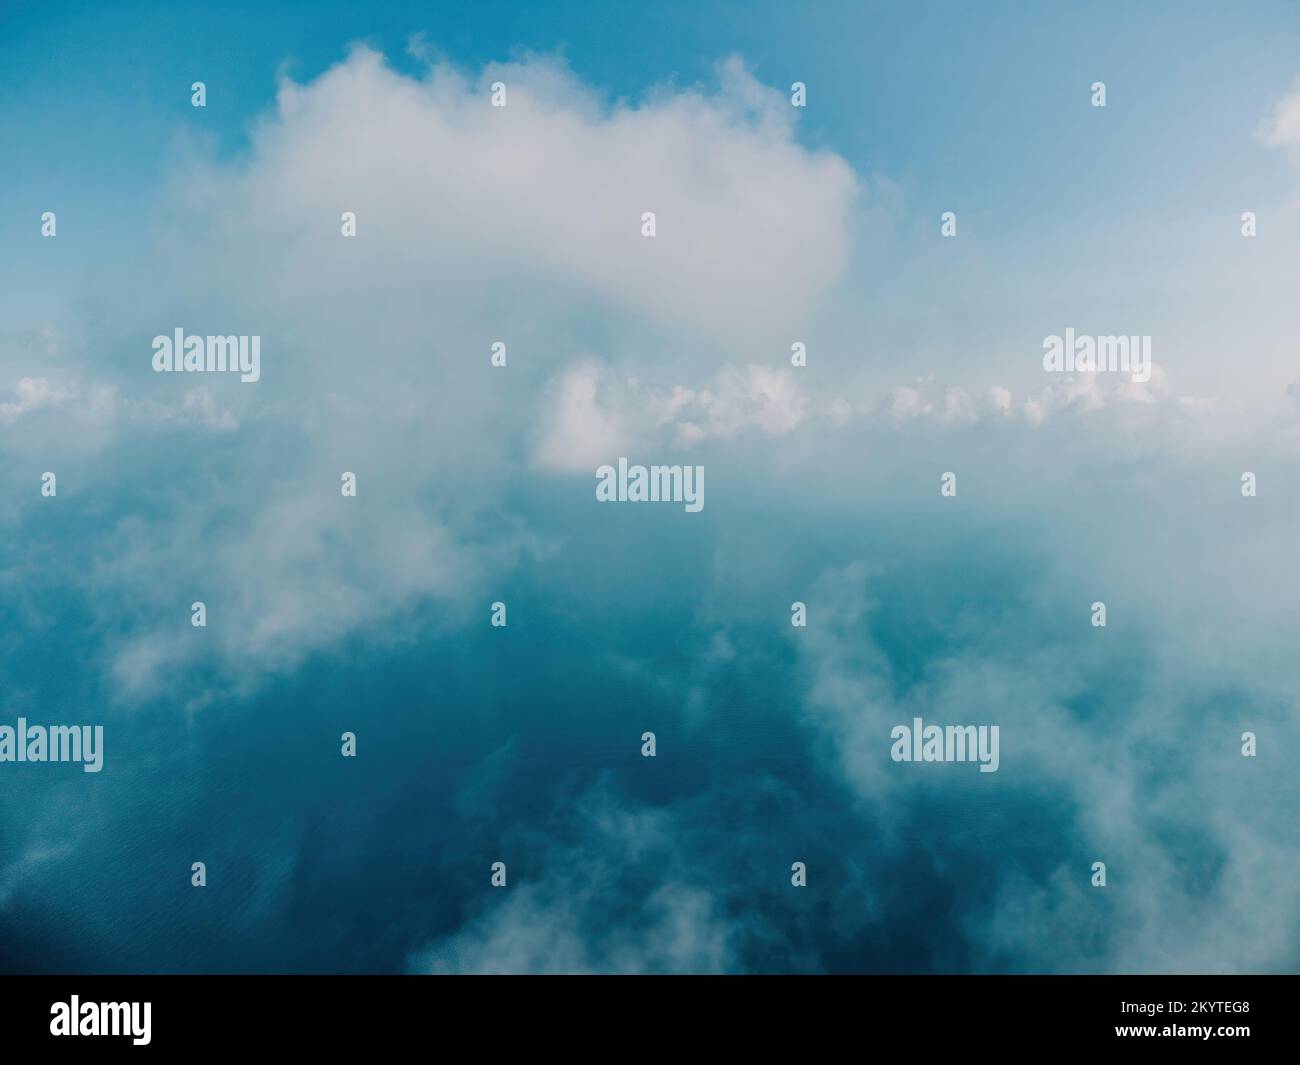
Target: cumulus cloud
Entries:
(595, 413)
(29, 394)
(474, 224)
(1144, 773)
(551, 188)
(591, 416)
(562, 919)
(1281, 127)
(1122, 403)
(768, 399)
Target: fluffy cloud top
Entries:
(474, 224)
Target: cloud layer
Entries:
(522, 225)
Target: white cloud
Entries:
(552, 187)
(588, 420)
(474, 224)
(29, 394)
(570, 916)
(1146, 783)
(1281, 127)
(594, 414)
(756, 396)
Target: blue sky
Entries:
(522, 744)
(916, 94)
